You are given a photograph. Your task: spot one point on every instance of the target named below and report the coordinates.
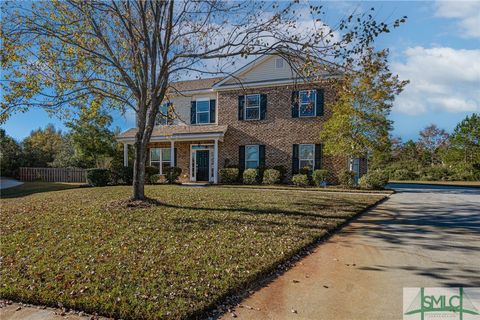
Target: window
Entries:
(160, 157)
(252, 107)
(252, 157)
(203, 111)
(306, 156)
(307, 103)
(279, 63)
(163, 116)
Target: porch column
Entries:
(125, 154)
(215, 162)
(172, 153)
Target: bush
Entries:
(149, 172)
(403, 174)
(229, 175)
(319, 177)
(260, 172)
(300, 180)
(283, 172)
(98, 177)
(271, 176)
(172, 174)
(250, 176)
(465, 172)
(347, 179)
(434, 174)
(376, 179)
(122, 175)
(154, 178)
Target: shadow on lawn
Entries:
(29, 188)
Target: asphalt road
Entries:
(421, 237)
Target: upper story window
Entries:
(252, 107)
(279, 63)
(164, 116)
(306, 156)
(203, 111)
(160, 158)
(307, 103)
(252, 156)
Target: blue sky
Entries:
(438, 50)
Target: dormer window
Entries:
(279, 63)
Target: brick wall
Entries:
(278, 132)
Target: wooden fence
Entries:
(53, 174)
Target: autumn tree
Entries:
(129, 52)
(359, 124)
(41, 146)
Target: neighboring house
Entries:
(260, 116)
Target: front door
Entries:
(203, 159)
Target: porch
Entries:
(194, 149)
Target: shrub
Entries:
(149, 172)
(283, 172)
(271, 176)
(347, 178)
(229, 175)
(250, 176)
(376, 179)
(319, 177)
(154, 178)
(122, 175)
(465, 172)
(98, 177)
(300, 180)
(172, 174)
(434, 174)
(403, 174)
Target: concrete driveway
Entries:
(421, 237)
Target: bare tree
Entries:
(128, 52)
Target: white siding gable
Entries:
(265, 70)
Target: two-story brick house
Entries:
(260, 116)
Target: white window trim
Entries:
(258, 153)
(304, 159)
(300, 104)
(165, 119)
(161, 161)
(245, 107)
(196, 110)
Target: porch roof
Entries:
(178, 132)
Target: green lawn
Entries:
(174, 260)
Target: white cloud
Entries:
(467, 12)
(441, 79)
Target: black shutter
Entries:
(175, 157)
(318, 157)
(320, 102)
(263, 106)
(193, 113)
(295, 163)
(261, 156)
(241, 158)
(295, 104)
(212, 111)
(241, 106)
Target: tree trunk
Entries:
(139, 171)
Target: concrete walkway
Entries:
(9, 183)
(419, 237)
